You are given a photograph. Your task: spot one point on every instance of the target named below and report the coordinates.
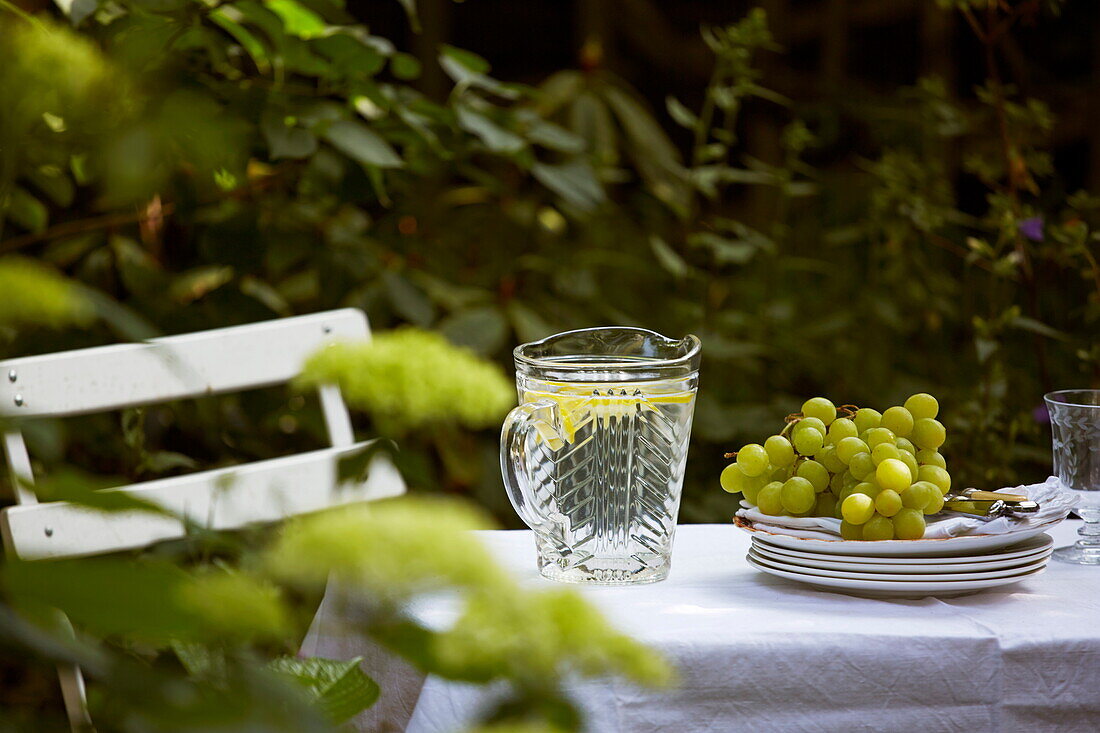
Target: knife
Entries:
(989, 504)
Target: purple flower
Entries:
(1032, 228)
(1041, 415)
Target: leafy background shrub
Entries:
(195, 165)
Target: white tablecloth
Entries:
(756, 651)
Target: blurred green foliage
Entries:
(195, 165)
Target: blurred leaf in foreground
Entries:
(33, 294)
(410, 378)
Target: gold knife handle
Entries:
(977, 495)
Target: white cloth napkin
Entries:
(1055, 502)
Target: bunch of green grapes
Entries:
(880, 473)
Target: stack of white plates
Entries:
(901, 569)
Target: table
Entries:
(756, 651)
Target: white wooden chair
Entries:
(179, 367)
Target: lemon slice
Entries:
(580, 404)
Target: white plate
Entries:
(794, 567)
(950, 546)
(849, 563)
(893, 589)
(1021, 553)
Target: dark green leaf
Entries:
(680, 114)
(466, 59)
(483, 330)
(1030, 324)
(495, 137)
(654, 155)
(356, 466)
(25, 210)
(668, 258)
(411, 14)
(574, 181)
(230, 20)
(724, 250)
(528, 324)
(363, 144)
(284, 140)
(554, 137)
(468, 70)
(53, 182)
(298, 20)
(124, 321)
(407, 299)
(405, 66)
(352, 55)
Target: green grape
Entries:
(868, 488)
(848, 448)
(882, 451)
(878, 527)
(782, 473)
(931, 458)
(874, 436)
(752, 459)
(929, 433)
(893, 474)
(911, 461)
(936, 475)
(866, 418)
(770, 499)
(906, 445)
(851, 531)
(808, 441)
(898, 420)
(936, 503)
(815, 473)
(861, 466)
(850, 480)
(841, 428)
(751, 487)
(838, 482)
(798, 495)
(732, 479)
(909, 524)
(827, 457)
(922, 405)
(825, 506)
(846, 492)
(809, 422)
(888, 502)
(820, 408)
(780, 451)
(857, 509)
(918, 495)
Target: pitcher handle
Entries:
(543, 417)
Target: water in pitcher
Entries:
(608, 475)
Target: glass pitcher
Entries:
(593, 457)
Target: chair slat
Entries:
(170, 368)
(227, 498)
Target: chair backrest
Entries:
(179, 367)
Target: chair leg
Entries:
(73, 692)
(76, 701)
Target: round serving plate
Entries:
(794, 567)
(893, 588)
(964, 546)
(1018, 554)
